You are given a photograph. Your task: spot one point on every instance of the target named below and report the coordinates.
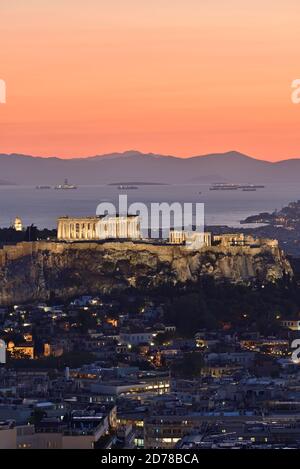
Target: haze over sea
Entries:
(42, 207)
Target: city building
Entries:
(136, 338)
(292, 324)
(21, 350)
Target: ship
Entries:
(234, 187)
(252, 186)
(123, 188)
(43, 187)
(224, 187)
(65, 186)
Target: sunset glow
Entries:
(171, 76)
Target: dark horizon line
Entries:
(126, 152)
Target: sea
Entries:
(42, 207)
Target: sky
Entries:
(180, 77)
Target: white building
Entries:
(98, 228)
(136, 338)
(18, 225)
(190, 238)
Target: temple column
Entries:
(59, 230)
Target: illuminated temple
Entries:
(98, 228)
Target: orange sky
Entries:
(180, 77)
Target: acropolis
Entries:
(107, 227)
(98, 228)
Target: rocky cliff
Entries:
(38, 270)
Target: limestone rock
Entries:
(36, 271)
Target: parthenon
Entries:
(98, 228)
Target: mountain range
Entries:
(231, 167)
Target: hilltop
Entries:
(152, 168)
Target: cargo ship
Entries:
(125, 188)
(234, 187)
(65, 186)
(224, 187)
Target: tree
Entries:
(37, 416)
(189, 366)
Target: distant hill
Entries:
(149, 168)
